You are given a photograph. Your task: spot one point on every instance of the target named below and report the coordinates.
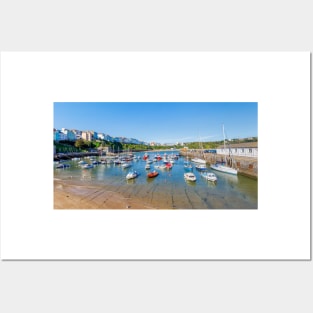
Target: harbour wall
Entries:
(246, 166)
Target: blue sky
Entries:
(162, 122)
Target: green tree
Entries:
(81, 144)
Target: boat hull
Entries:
(199, 161)
(201, 168)
(153, 174)
(224, 169)
(131, 175)
(190, 177)
(209, 176)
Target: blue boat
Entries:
(201, 167)
(62, 166)
(188, 166)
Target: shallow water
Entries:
(169, 189)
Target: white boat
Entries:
(198, 160)
(161, 167)
(147, 167)
(190, 177)
(62, 165)
(201, 167)
(209, 176)
(117, 162)
(87, 166)
(125, 165)
(131, 175)
(187, 164)
(224, 169)
(221, 167)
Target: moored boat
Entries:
(125, 165)
(152, 174)
(224, 169)
(168, 166)
(131, 175)
(198, 160)
(87, 166)
(190, 177)
(62, 165)
(201, 167)
(188, 166)
(147, 167)
(209, 176)
(221, 167)
(161, 167)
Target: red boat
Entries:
(169, 166)
(153, 174)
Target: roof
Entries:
(240, 145)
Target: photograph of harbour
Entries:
(155, 155)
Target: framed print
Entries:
(167, 168)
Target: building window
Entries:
(250, 151)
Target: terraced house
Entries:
(87, 135)
(246, 149)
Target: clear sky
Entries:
(162, 122)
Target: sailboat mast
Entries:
(224, 144)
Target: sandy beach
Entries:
(70, 196)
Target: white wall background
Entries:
(156, 286)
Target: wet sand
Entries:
(70, 196)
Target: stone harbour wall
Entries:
(246, 166)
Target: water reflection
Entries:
(86, 175)
(228, 178)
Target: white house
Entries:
(78, 133)
(246, 149)
(101, 136)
